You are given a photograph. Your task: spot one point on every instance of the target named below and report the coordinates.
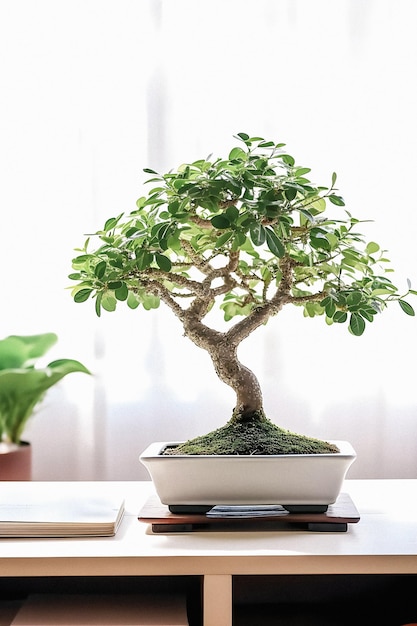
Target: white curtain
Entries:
(93, 91)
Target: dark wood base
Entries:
(335, 519)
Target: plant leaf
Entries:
(357, 324)
(82, 295)
(337, 200)
(257, 234)
(163, 262)
(220, 222)
(407, 308)
(237, 154)
(274, 243)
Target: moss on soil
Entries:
(253, 437)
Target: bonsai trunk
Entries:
(222, 348)
(241, 379)
(248, 431)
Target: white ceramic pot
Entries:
(289, 479)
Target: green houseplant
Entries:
(22, 384)
(248, 234)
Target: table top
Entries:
(383, 541)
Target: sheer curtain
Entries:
(92, 91)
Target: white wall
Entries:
(92, 91)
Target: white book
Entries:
(25, 512)
(102, 610)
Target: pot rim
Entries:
(155, 449)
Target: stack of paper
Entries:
(267, 510)
(53, 513)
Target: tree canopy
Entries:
(247, 234)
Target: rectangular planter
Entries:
(293, 479)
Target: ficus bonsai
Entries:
(249, 234)
(22, 384)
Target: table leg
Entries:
(217, 600)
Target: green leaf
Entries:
(173, 207)
(150, 302)
(319, 241)
(132, 301)
(19, 351)
(98, 305)
(122, 292)
(318, 205)
(112, 222)
(100, 269)
(337, 200)
(115, 284)
(239, 240)
(288, 159)
(367, 313)
(290, 193)
(372, 247)
(108, 302)
(140, 202)
(132, 232)
(82, 259)
(232, 213)
(330, 308)
(300, 171)
(340, 317)
(310, 309)
(381, 292)
(22, 388)
(357, 324)
(307, 215)
(257, 234)
(237, 154)
(82, 295)
(220, 221)
(354, 298)
(62, 367)
(274, 243)
(220, 241)
(143, 259)
(407, 308)
(163, 262)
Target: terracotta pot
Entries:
(16, 461)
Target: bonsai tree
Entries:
(22, 385)
(249, 234)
